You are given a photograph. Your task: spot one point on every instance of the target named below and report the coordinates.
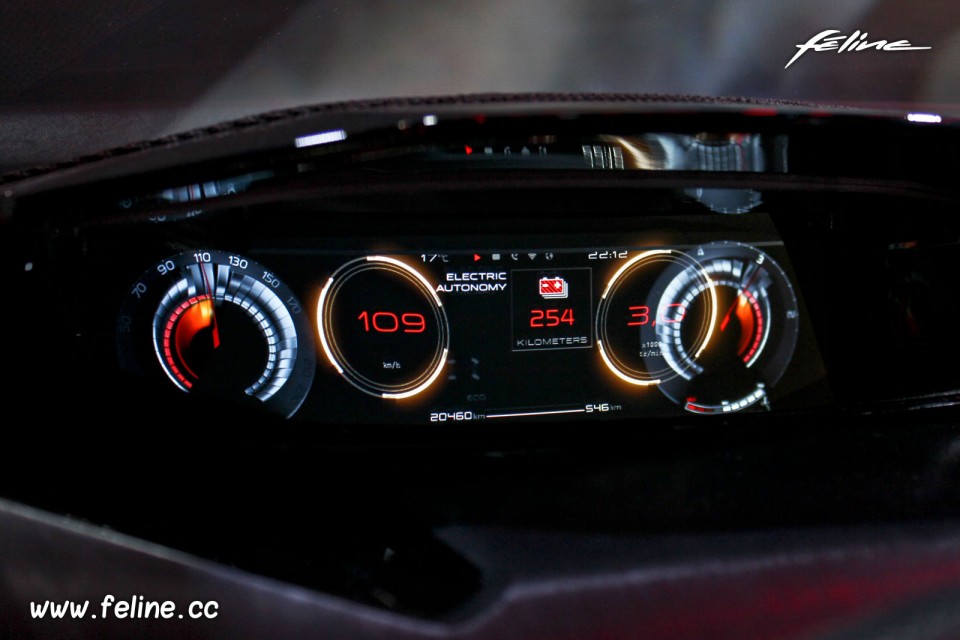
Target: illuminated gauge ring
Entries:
(328, 328)
(765, 309)
(207, 318)
(670, 313)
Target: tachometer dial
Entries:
(754, 330)
(383, 327)
(220, 324)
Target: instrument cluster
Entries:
(457, 269)
(458, 329)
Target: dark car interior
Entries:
(490, 366)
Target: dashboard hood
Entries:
(275, 131)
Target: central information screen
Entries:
(526, 333)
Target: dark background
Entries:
(77, 76)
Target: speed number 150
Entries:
(390, 322)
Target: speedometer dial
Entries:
(219, 324)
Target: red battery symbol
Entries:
(553, 287)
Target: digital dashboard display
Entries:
(475, 332)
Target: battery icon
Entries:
(554, 288)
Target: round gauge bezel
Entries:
(327, 328)
(168, 289)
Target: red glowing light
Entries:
(540, 318)
(389, 322)
(641, 315)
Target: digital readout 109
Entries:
(390, 322)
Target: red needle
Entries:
(213, 313)
(726, 318)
